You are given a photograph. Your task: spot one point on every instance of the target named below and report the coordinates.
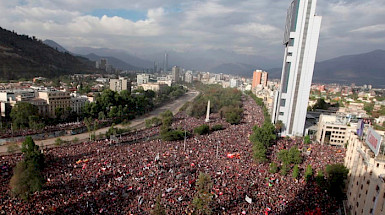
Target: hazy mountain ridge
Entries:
(22, 56)
(117, 54)
(115, 62)
(55, 45)
(366, 68)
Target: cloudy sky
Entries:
(250, 27)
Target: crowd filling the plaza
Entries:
(127, 176)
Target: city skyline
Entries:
(248, 28)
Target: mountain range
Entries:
(25, 56)
(344, 70)
(22, 56)
(55, 45)
(365, 68)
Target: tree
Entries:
(233, 115)
(167, 118)
(336, 175)
(201, 130)
(259, 152)
(294, 155)
(32, 152)
(368, 107)
(308, 172)
(285, 168)
(203, 196)
(295, 171)
(159, 208)
(321, 104)
(101, 115)
(21, 114)
(306, 139)
(278, 126)
(273, 168)
(291, 156)
(217, 127)
(320, 179)
(264, 134)
(27, 177)
(59, 111)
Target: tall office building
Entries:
(259, 78)
(165, 63)
(301, 41)
(175, 73)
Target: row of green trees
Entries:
(108, 104)
(166, 132)
(289, 157)
(262, 137)
(225, 101)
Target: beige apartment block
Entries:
(55, 99)
(366, 179)
(120, 84)
(156, 87)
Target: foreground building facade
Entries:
(301, 41)
(366, 179)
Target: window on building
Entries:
(283, 102)
(281, 113)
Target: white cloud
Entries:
(246, 27)
(370, 29)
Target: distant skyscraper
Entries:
(103, 63)
(175, 74)
(301, 41)
(165, 63)
(259, 77)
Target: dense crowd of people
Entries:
(77, 127)
(101, 177)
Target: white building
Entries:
(235, 83)
(333, 130)
(175, 73)
(189, 76)
(300, 40)
(77, 103)
(142, 79)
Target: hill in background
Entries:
(54, 45)
(22, 56)
(115, 62)
(366, 68)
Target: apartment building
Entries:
(366, 178)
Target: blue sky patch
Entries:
(133, 15)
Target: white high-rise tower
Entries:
(301, 41)
(165, 63)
